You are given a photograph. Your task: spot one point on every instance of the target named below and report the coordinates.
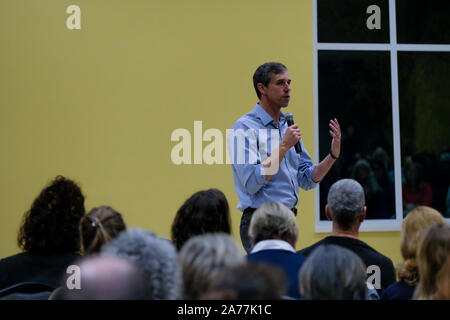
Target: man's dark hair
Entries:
(204, 212)
(264, 73)
(51, 226)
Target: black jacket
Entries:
(26, 267)
(367, 254)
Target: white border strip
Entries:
(318, 224)
(383, 46)
(395, 116)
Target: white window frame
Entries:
(393, 48)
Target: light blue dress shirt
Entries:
(250, 182)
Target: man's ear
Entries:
(261, 88)
(362, 216)
(328, 213)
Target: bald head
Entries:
(109, 278)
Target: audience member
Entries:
(363, 173)
(333, 273)
(415, 191)
(418, 220)
(49, 236)
(202, 257)
(432, 254)
(109, 278)
(346, 209)
(386, 206)
(443, 281)
(248, 282)
(204, 212)
(156, 256)
(98, 227)
(273, 232)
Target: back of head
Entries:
(346, 202)
(432, 254)
(203, 257)
(51, 226)
(109, 278)
(443, 282)
(415, 223)
(333, 273)
(273, 220)
(250, 281)
(156, 256)
(264, 72)
(98, 227)
(204, 212)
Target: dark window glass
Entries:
(424, 97)
(355, 88)
(423, 22)
(346, 21)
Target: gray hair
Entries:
(346, 202)
(157, 256)
(202, 257)
(273, 220)
(333, 273)
(264, 73)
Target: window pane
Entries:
(423, 22)
(346, 21)
(355, 88)
(424, 94)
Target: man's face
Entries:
(278, 91)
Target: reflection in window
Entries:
(345, 21)
(355, 88)
(423, 22)
(424, 96)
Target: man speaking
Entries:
(279, 169)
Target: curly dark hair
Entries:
(51, 226)
(204, 212)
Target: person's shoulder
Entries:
(305, 252)
(398, 291)
(374, 256)
(248, 120)
(278, 255)
(15, 258)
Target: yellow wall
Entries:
(99, 104)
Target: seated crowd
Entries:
(70, 255)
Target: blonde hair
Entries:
(432, 254)
(98, 227)
(443, 279)
(415, 223)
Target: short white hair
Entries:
(273, 220)
(346, 201)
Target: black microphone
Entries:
(290, 122)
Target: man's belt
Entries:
(294, 210)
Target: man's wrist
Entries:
(333, 156)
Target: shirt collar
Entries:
(272, 244)
(265, 117)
